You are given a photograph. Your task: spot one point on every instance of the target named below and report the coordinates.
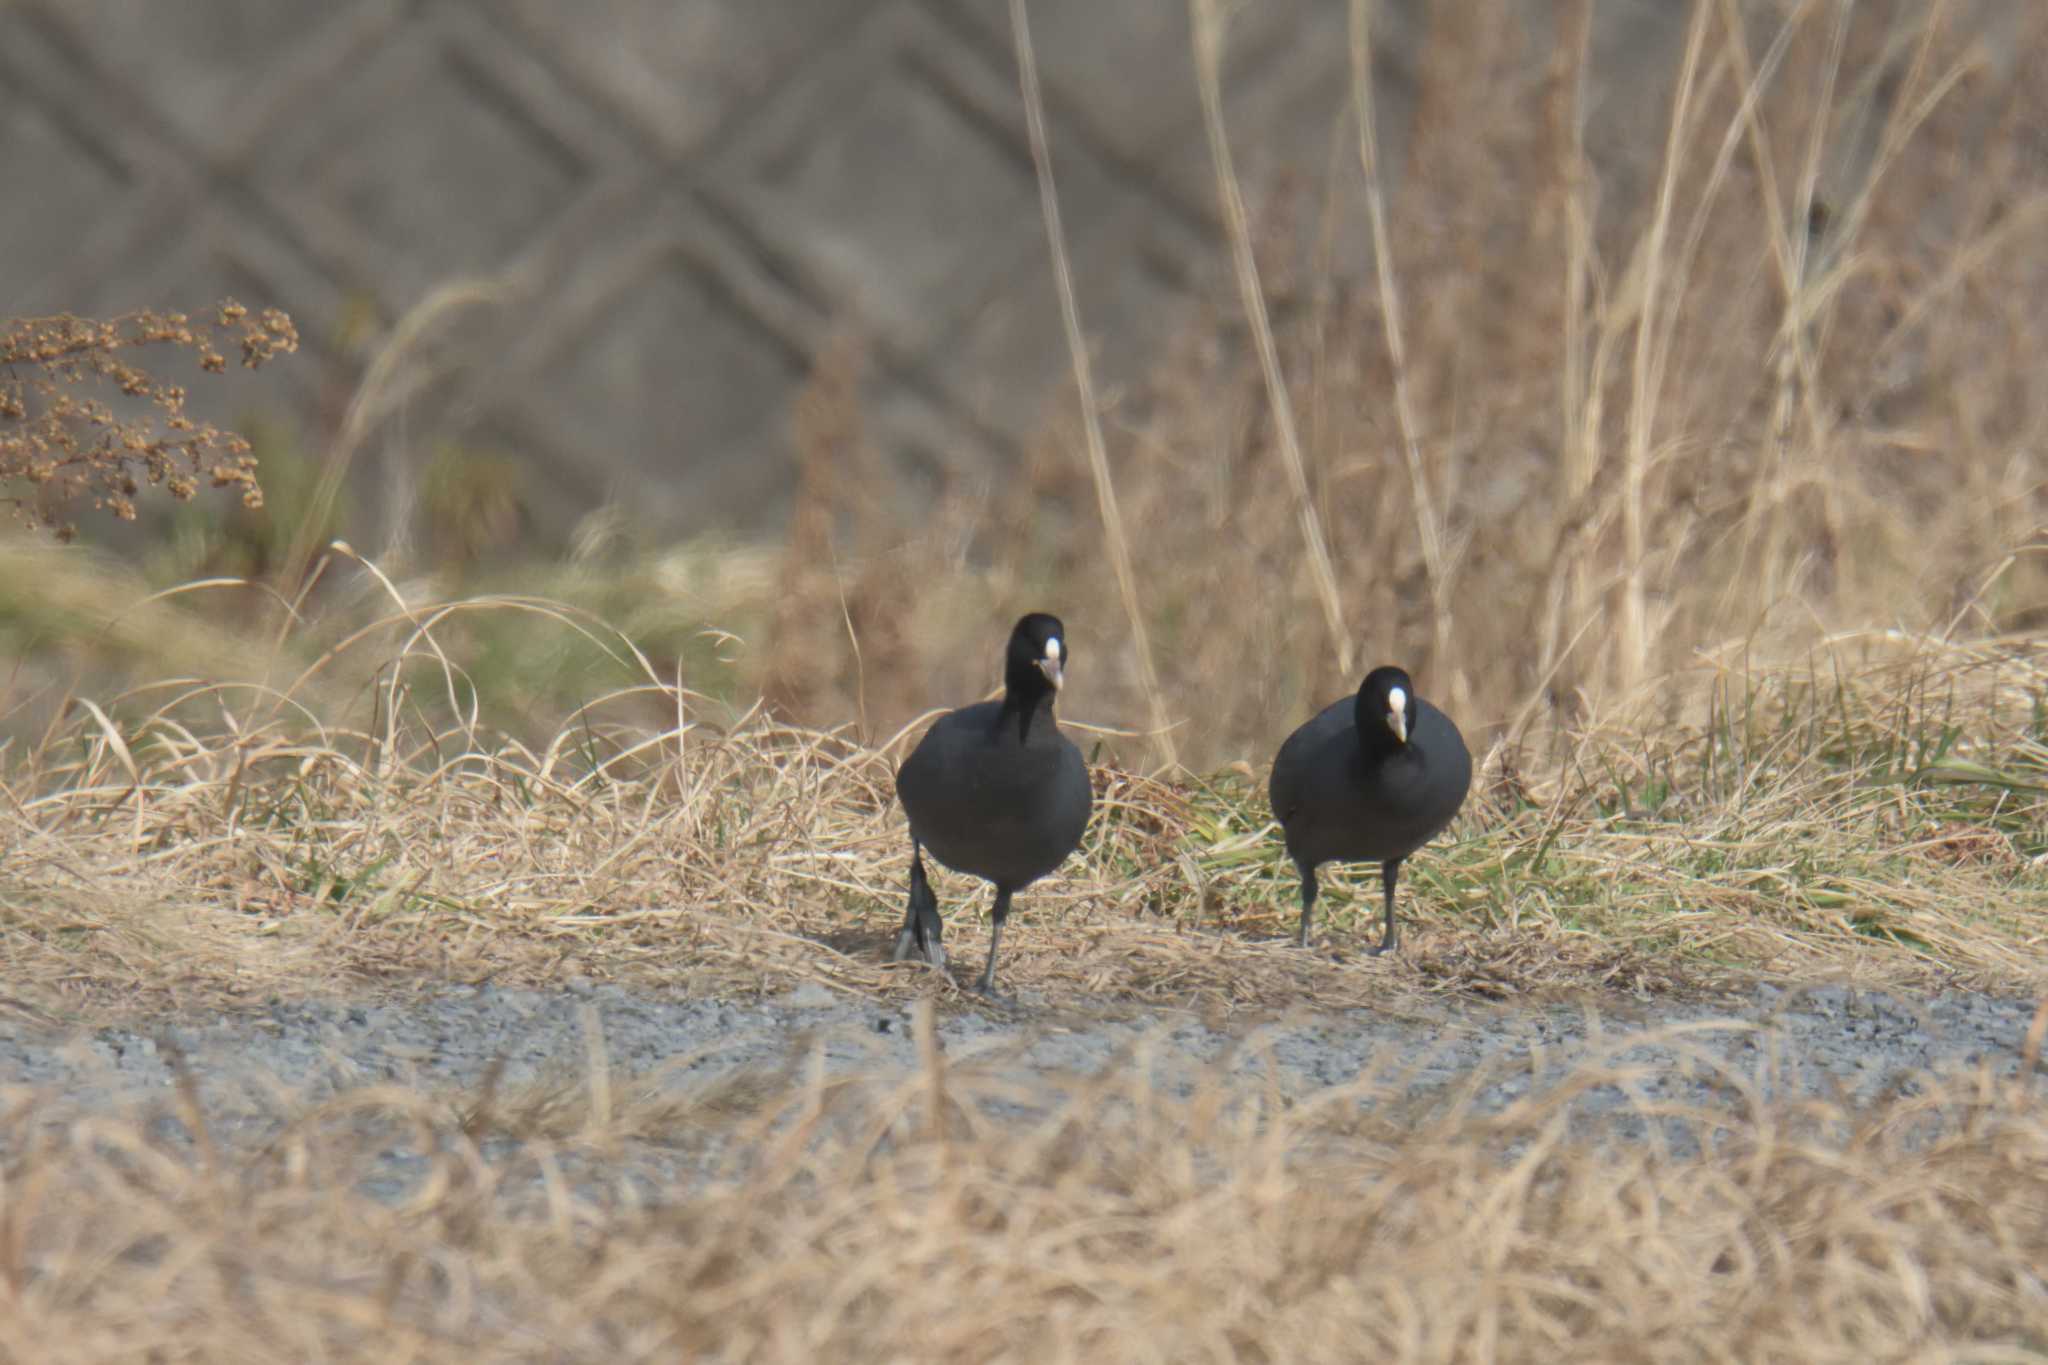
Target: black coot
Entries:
(1373, 778)
(995, 790)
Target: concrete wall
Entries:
(684, 198)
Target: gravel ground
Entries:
(252, 1069)
(349, 1080)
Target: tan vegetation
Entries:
(1704, 490)
(374, 773)
(1535, 503)
(1602, 410)
(1878, 812)
(61, 441)
(903, 1219)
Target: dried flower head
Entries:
(60, 444)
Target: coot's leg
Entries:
(1389, 937)
(1308, 899)
(907, 939)
(921, 924)
(929, 927)
(1000, 913)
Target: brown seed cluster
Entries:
(80, 418)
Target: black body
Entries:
(995, 790)
(1347, 787)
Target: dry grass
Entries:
(1603, 400)
(1661, 456)
(1877, 812)
(846, 1217)
(1563, 401)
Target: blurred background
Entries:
(1705, 330)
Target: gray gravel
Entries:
(683, 1062)
(1783, 1042)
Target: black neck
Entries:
(1026, 696)
(1376, 738)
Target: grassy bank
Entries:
(1875, 810)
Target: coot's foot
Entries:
(988, 992)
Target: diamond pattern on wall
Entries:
(1128, 68)
(427, 169)
(680, 69)
(689, 196)
(678, 392)
(210, 67)
(893, 198)
(61, 188)
(1009, 361)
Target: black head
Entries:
(1036, 666)
(1386, 709)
